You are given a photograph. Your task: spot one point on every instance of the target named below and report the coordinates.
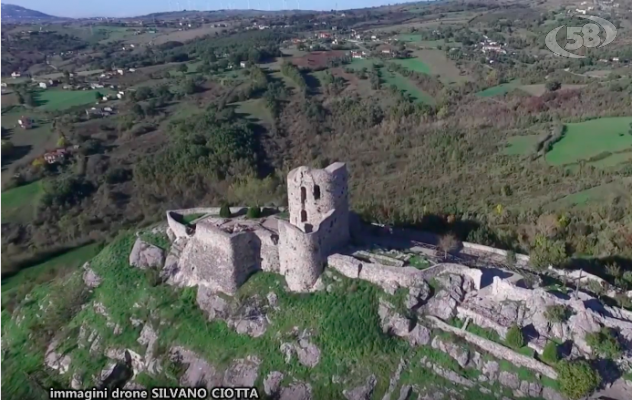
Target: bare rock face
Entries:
(55, 360)
(509, 379)
(198, 371)
(400, 326)
(214, 305)
(531, 389)
(442, 305)
(145, 255)
(307, 352)
(296, 391)
(250, 319)
(272, 383)
(363, 392)
(242, 372)
(417, 295)
(460, 354)
(90, 278)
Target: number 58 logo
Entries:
(581, 36)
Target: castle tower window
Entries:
(303, 194)
(316, 192)
(303, 216)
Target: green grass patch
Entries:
(50, 269)
(359, 63)
(57, 99)
(19, 204)
(404, 84)
(187, 219)
(521, 145)
(256, 108)
(414, 64)
(486, 333)
(613, 160)
(499, 89)
(588, 139)
(598, 194)
(419, 262)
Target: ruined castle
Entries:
(222, 253)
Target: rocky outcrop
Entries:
(214, 305)
(250, 319)
(145, 255)
(443, 304)
(459, 353)
(398, 325)
(242, 372)
(148, 338)
(296, 391)
(90, 278)
(363, 392)
(272, 383)
(497, 350)
(55, 360)
(198, 371)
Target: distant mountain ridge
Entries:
(14, 13)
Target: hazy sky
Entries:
(128, 8)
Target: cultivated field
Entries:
(414, 64)
(176, 36)
(405, 85)
(28, 143)
(592, 138)
(317, 59)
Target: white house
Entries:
(120, 71)
(356, 54)
(580, 11)
(242, 64)
(132, 70)
(615, 59)
(16, 75)
(42, 85)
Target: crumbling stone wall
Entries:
(497, 350)
(385, 276)
(474, 274)
(219, 260)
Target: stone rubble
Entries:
(145, 255)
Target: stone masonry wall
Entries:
(474, 274)
(497, 350)
(219, 260)
(300, 259)
(269, 249)
(387, 277)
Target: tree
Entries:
(183, 68)
(552, 86)
(545, 252)
(254, 212)
(557, 313)
(66, 77)
(150, 108)
(604, 343)
(550, 354)
(515, 338)
(189, 86)
(577, 378)
(448, 243)
(61, 142)
(7, 147)
(98, 96)
(224, 211)
(138, 110)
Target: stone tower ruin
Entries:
(319, 223)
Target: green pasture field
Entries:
(588, 139)
(404, 84)
(18, 204)
(57, 99)
(414, 64)
(499, 89)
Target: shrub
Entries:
(550, 355)
(224, 211)
(557, 313)
(577, 378)
(604, 343)
(514, 338)
(254, 213)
